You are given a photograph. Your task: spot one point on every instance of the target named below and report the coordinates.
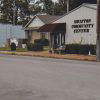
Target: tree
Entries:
(68, 5)
(35, 8)
(73, 3)
(47, 6)
(7, 7)
(24, 9)
(63, 5)
(58, 9)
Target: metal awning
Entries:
(53, 28)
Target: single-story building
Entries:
(76, 27)
(34, 24)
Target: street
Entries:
(35, 78)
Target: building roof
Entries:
(54, 28)
(44, 18)
(47, 18)
(58, 27)
(91, 6)
(31, 28)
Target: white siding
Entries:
(36, 23)
(79, 14)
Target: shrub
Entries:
(34, 47)
(37, 41)
(80, 49)
(93, 49)
(29, 46)
(44, 42)
(37, 47)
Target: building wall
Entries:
(38, 35)
(72, 34)
(35, 35)
(36, 23)
(32, 35)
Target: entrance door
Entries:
(57, 40)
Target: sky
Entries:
(52, 0)
(37, 0)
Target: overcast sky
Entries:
(52, 0)
(37, 0)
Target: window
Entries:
(43, 35)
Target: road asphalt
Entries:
(35, 78)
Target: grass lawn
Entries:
(8, 49)
(46, 48)
(4, 49)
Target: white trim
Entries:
(32, 21)
(29, 22)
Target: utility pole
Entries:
(67, 6)
(14, 12)
(13, 19)
(98, 32)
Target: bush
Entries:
(44, 42)
(93, 49)
(37, 41)
(34, 47)
(29, 46)
(80, 49)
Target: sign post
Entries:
(98, 32)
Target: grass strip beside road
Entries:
(9, 49)
(49, 55)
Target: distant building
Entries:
(34, 24)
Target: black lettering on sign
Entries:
(81, 30)
(82, 25)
